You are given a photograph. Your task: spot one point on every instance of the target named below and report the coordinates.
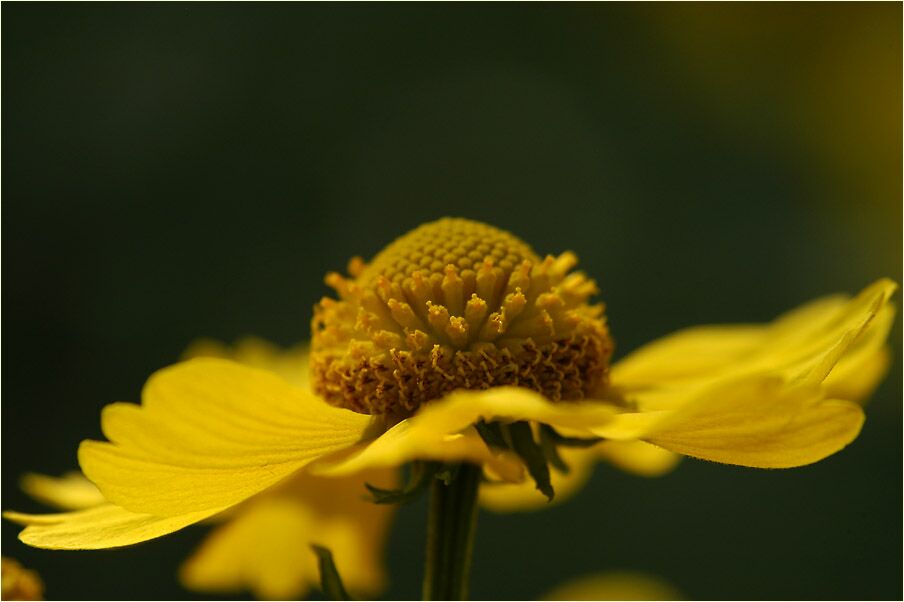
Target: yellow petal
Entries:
(290, 364)
(442, 430)
(462, 408)
(637, 457)
(266, 546)
(72, 491)
(865, 362)
(758, 422)
(105, 526)
(209, 434)
(404, 443)
(615, 585)
(801, 346)
(858, 378)
(820, 352)
(695, 352)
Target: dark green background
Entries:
(178, 170)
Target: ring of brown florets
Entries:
(456, 304)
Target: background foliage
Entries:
(177, 170)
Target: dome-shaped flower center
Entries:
(456, 304)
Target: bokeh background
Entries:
(179, 170)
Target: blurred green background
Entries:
(178, 170)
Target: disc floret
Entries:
(457, 304)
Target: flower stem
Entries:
(451, 524)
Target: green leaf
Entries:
(330, 581)
(523, 444)
(419, 477)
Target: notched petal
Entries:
(209, 434)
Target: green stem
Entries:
(451, 524)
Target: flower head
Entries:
(456, 304)
(454, 330)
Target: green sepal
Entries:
(420, 476)
(550, 450)
(568, 441)
(330, 581)
(491, 433)
(523, 444)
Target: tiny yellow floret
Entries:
(457, 304)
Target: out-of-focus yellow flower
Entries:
(458, 327)
(263, 544)
(19, 583)
(615, 585)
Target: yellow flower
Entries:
(615, 585)
(263, 544)
(19, 583)
(458, 343)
